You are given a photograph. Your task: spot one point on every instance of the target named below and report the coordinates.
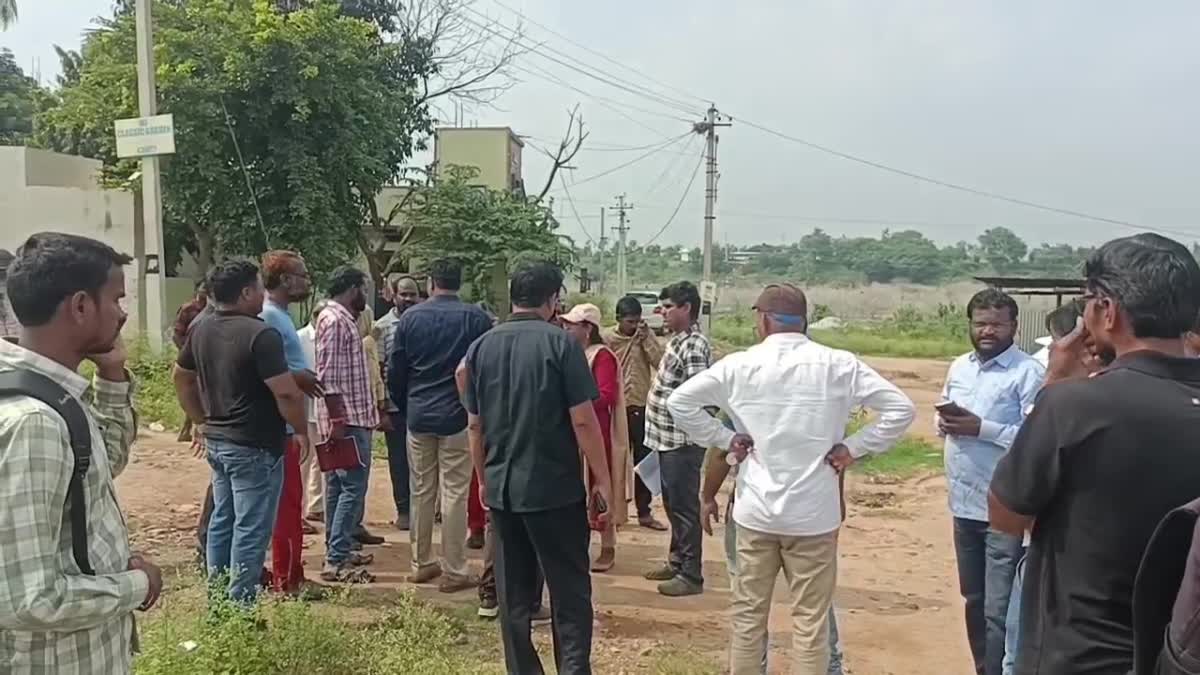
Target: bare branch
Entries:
(567, 149)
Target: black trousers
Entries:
(680, 470)
(558, 541)
(636, 416)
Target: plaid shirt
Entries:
(9, 326)
(687, 355)
(384, 332)
(342, 367)
(52, 618)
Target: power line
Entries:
(670, 167)
(632, 161)
(599, 99)
(571, 202)
(687, 190)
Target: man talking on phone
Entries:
(987, 394)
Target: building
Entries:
(494, 151)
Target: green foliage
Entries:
(154, 396)
(321, 108)
(910, 457)
(19, 96)
(484, 228)
(604, 304)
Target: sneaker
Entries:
(664, 573)
(356, 545)
(425, 574)
(489, 608)
(541, 615)
(362, 536)
(679, 587)
(454, 584)
(360, 559)
(475, 540)
(346, 574)
(401, 522)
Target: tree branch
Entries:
(567, 149)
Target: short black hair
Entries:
(1061, 321)
(681, 293)
(1155, 280)
(992, 298)
(228, 278)
(446, 274)
(343, 279)
(629, 306)
(51, 267)
(532, 284)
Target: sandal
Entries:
(651, 523)
(606, 560)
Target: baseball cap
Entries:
(782, 299)
(584, 312)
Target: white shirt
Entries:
(794, 397)
(308, 342)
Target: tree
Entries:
(1002, 248)
(484, 228)
(18, 100)
(8, 13)
(290, 123)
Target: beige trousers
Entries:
(809, 566)
(443, 461)
(311, 476)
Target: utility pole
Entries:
(152, 261)
(622, 270)
(603, 241)
(709, 129)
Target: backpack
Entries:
(42, 388)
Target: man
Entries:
(347, 411)
(987, 393)
(404, 294)
(431, 339)
(9, 326)
(1101, 460)
(680, 459)
(790, 400)
(529, 395)
(287, 281)
(310, 469)
(639, 353)
(187, 313)
(54, 620)
(232, 376)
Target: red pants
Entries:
(476, 519)
(287, 568)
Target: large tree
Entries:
(288, 123)
(19, 95)
(8, 13)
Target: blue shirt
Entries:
(277, 317)
(429, 342)
(1000, 391)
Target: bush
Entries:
(154, 397)
(605, 305)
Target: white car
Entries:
(651, 310)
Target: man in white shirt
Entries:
(311, 476)
(790, 400)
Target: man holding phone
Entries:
(987, 394)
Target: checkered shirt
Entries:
(342, 368)
(53, 619)
(384, 332)
(687, 355)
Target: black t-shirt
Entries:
(234, 355)
(524, 377)
(1098, 463)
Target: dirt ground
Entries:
(897, 599)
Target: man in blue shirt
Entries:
(429, 342)
(987, 394)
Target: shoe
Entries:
(307, 529)
(360, 559)
(489, 608)
(541, 615)
(679, 587)
(346, 574)
(454, 584)
(475, 540)
(311, 591)
(356, 545)
(315, 517)
(605, 561)
(362, 536)
(651, 523)
(401, 522)
(425, 574)
(664, 573)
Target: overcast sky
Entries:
(1088, 105)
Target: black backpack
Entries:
(42, 388)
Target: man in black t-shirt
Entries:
(1100, 461)
(528, 395)
(232, 376)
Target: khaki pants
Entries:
(311, 477)
(443, 461)
(810, 567)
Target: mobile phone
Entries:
(949, 408)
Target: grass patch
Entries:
(910, 457)
(678, 662)
(908, 334)
(154, 397)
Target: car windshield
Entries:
(646, 298)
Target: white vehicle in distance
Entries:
(651, 310)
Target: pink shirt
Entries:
(342, 368)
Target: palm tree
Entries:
(8, 13)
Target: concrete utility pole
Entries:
(709, 128)
(152, 261)
(603, 241)
(622, 271)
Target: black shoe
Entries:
(488, 608)
(402, 521)
(475, 540)
(364, 537)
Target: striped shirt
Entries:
(342, 368)
(687, 354)
(53, 619)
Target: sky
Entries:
(1085, 105)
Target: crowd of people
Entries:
(1072, 483)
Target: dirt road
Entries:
(897, 598)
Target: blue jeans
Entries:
(246, 482)
(346, 498)
(987, 563)
(1012, 625)
(835, 643)
(397, 446)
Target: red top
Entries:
(608, 381)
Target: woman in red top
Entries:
(583, 323)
